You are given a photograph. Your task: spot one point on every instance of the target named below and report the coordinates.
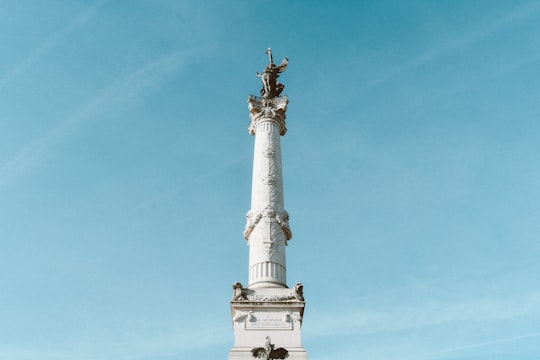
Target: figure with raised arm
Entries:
(271, 88)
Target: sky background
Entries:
(411, 175)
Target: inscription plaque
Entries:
(262, 321)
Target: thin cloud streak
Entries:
(32, 355)
(176, 191)
(425, 314)
(112, 99)
(473, 346)
(146, 345)
(410, 323)
(48, 44)
(381, 352)
(452, 46)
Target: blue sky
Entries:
(411, 175)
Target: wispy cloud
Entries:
(414, 323)
(176, 191)
(17, 354)
(148, 344)
(374, 316)
(432, 54)
(49, 43)
(111, 99)
(432, 355)
(396, 350)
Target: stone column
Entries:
(267, 229)
(267, 313)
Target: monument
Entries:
(267, 314)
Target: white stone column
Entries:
(267, 312)
(267, 229)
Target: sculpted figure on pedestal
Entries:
(238, 294)
(271, 88)
(299, 291)
(268, 352)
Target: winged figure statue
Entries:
(271, 88)
(268, 352)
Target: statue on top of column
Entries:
(271, 88)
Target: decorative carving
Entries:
(291, 296)
(268, 352)
(270, 151)
(243, 315)
(270, 249)
(253, 219)
(299, 291)
(269, 180)
(268, 109)
(292, 316)
(260, 298)
(269, 212)
(281, 218)
(283, 222)
(271, 88)
(287, 316)
(238, 293)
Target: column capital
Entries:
(267, 109)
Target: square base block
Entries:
(267, 312)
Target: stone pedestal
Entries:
(267, 312)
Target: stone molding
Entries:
(242, 294)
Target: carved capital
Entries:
(267, 109)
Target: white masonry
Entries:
(267, 313)
(267, 229)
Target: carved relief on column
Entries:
(270, 151)
(272, 109)
(274, 178)
(280, 218)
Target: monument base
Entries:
(267, 317)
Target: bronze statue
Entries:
(271, 88)
(238, 294)
(268, 352)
